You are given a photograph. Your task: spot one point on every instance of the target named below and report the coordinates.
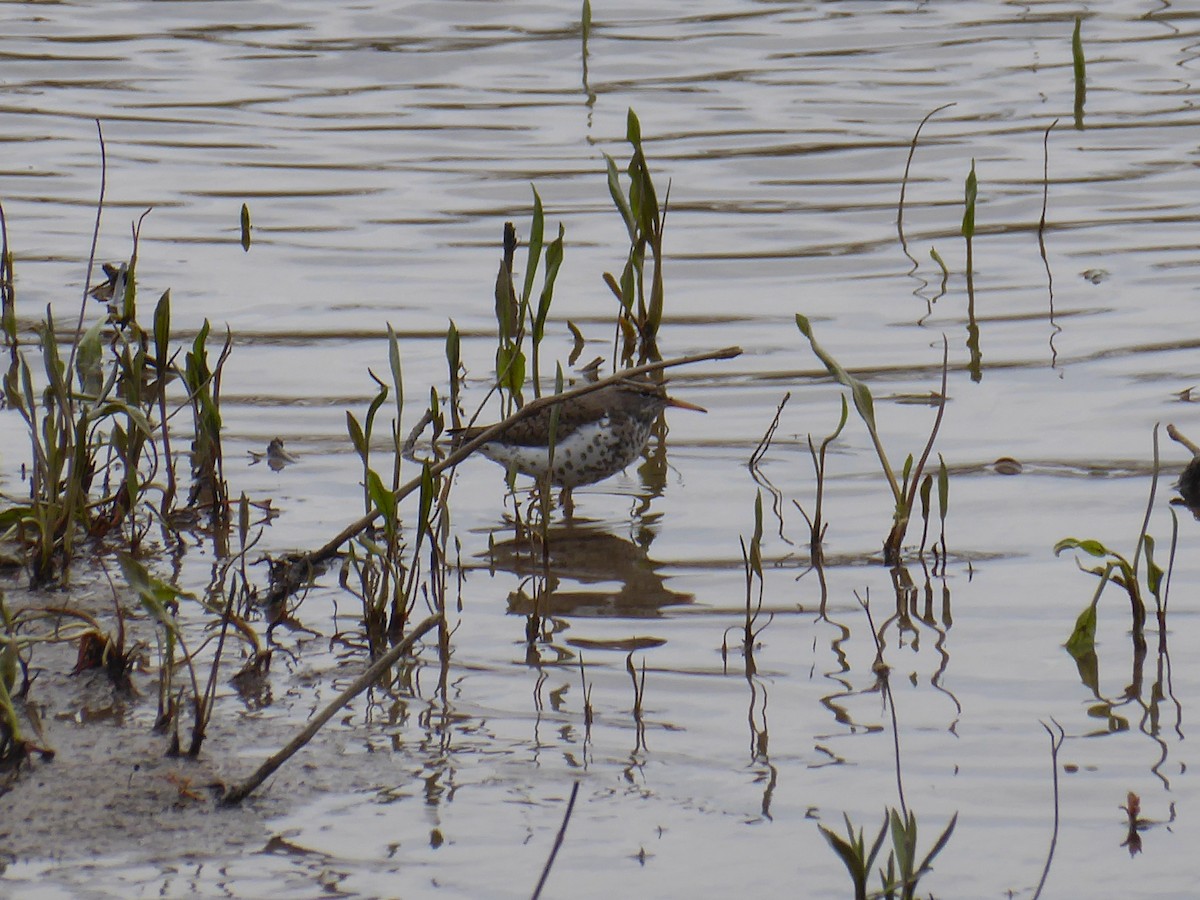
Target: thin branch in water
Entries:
(240, 792)
(756, 457)
(1056, 742)
(765, 444)
(1045, 187)
(558, 842)
(1042, 238)
(1137, 553)
(912, 149)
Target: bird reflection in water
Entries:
(590, 573)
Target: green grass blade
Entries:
(397, 373)
(554, 258)
(536, 237)
(618, 197)
(943, 488)
(383, 500)
(1080, 70)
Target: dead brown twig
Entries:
(239, 792)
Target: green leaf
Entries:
(1080, 70)
(128, 294)
(1154, 572)
(904, 838)
(9, 667)
(926, 490)
(943, 488)
(435, 412)
(633, 129)
(510, 368)
(841, 421)
(1090, 547)
(243, 518)
(356, 434)
(397, 374)
(875, 847)
(425, 504)
(373, 408)
(383, 500)
(154, 593)
(536, 238)
(373, 547)
(1083, 638)
(88, 367)
(554, 258)
(507, 306)
(162, 331)
(939, 845)
(618, 197)
(756, 540)
(860, 393)
(136, 416)
(245, 227)
(844, 851)
(643, 199)
(972, 187)
(937, 258)
(453, 350)
(629, 283)
(50, 358)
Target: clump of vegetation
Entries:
(900, 876)
(97, 417)
(905, 488)
(1125, 573)
(516, 316)
(641, 310)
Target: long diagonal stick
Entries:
(295, 570)
(239, 792)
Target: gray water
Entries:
(381, 147)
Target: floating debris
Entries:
(275, 456)
(1006, 465)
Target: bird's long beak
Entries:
(683, 404)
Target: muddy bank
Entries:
(111, 792)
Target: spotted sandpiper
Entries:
(596, 434)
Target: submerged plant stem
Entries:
(558, 841)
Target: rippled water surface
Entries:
(380, 149)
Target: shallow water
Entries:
(380, 151)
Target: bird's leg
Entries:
(568, 504)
